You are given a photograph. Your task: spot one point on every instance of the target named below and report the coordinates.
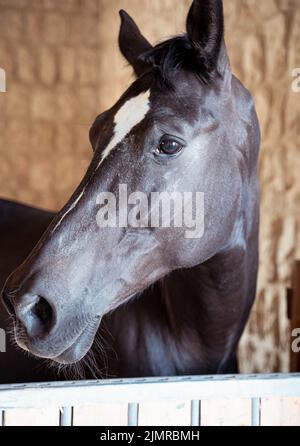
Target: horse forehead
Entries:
(132, 112)
(129, 115)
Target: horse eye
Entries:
(169, 146)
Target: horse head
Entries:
(187, 129)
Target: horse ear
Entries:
(205, 29)
(132, 43)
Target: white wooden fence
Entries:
(250, 399)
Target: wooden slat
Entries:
(280, 412)
(47, 416)
(142, 390)
(226, 412)
(101, 415)
(165, 413)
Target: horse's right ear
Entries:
(132, 43)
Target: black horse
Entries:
(157, 299)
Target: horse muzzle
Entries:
(39, 330)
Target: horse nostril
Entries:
(43, 311)
(35, 314)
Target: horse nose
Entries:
(35, 314)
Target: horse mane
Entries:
(176, 54)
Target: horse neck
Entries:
(212, 301)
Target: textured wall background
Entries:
(63, 68)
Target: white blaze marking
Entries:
(129, 115)
(73, 206)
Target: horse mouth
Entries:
(72, 354)
(77, 351)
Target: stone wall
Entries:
(63, 68)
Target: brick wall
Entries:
(51, 51)
(63, 68)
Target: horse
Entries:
(128, 300)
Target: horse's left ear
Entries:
(205, 29)
(132, 43)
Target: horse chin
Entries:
(81, 346)
(72, 354)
